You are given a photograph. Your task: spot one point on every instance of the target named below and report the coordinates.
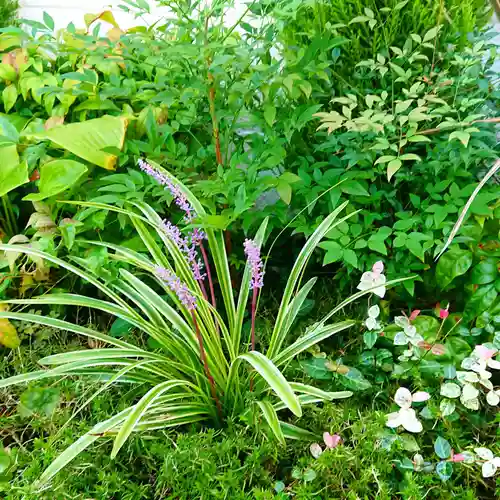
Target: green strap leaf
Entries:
(140, 409)
(272, 419)
(266, 368)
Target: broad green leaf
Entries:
(485, 272)
(272, 419)
(12, 173)
(89, 139)
(57, 176)
(442, 448)
(447, 407)
(452, 264)
(481, 300)
(403, 105)
(444, 470)
(370, 338)
(9, 96)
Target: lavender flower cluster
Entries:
(176, 285)
(179, 197)
(252, 252)
(188, 244)
(187, 247)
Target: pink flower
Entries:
(331, 441)
(443, 313)
(378, 267)
(414, 314)
(484, 353)
(459, 457)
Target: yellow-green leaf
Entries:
(7, 72)
(57, 176)
(285, 191)
(393, 167)
(88, 139)
(12, 173)
(8, 334)
(9, 96)
(269, 114)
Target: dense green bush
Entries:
(8, 12)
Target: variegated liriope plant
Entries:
(197, 374)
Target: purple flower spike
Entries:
(179, 197)
(175, 284)
(252, 252)
(189, 250)
(197, 236)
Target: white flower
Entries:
(486, 354)
(371, 322)
(491, 463)
(316, 450)
(374, 278)
(406, 416)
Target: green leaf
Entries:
(377, 245)
(444, 470)
(4, 461)
(452, 264)
(285, 191)
(370, 338)
(9, 96)
(39, 401)
(393, 167)
(410, 156)
(350, 257)
(316, 368)
(120, 328)
(272, 419)
(385, 159)
(139, 410)
(12, 173)
(355, 188)
(480, 301)
(291, 431)
(403, 105)
(418, 138)
(431, 34)
(442, 448)
(485, 272)
(409, 443)
(268, 371)
(415, 247)
(269, 114)
(88, 139)
(359, 19)
(49, 22)
(57, 176)
(461, 135)
(7, 72)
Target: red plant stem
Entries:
(203, 356)
(252, 338)
(254, 310)
(209, 275)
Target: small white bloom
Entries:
(406, 416)
(491, 463)
(370, 280)
(316, 450)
